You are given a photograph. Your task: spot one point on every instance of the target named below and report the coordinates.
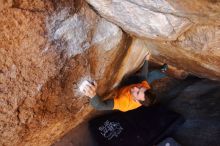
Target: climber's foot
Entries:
(164, 68)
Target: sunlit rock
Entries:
(133, 60)
(5, 4)
(147, 19)
(197, 51)
(71, 32)
(44, 56)
(47, 48)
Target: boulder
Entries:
(45, 55)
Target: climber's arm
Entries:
(143, 73)
(152, 75)
(96, 101)
(144, 70)
(98, 104)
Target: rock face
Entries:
(44, 57)
(150, 19)
(47, 48)
(185, 34)
(197, 51)
(197, 100)
(24, 69)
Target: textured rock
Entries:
(203, 11)
(185, 34)
(103, 36)
(42, 65)
(47, 48)
(197, 51)
(198, 101)
(71, 32)
(22, 50)
(24, 68)
(135, 56)
(5, 4)
(148, 19)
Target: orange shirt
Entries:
(124, 100)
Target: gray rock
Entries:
(107, 34)
(147, 19)
(71, 32)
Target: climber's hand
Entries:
(147, 57)
(90, 89)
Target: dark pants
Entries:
(155, 75)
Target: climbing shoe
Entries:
(164, 68)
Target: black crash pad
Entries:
(144, 126)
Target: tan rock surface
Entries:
(197, 51)
(5, 4)
(42, 65)
(24, 68)
(48, 47)
(147, 19)
(194, 43)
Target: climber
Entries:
(132, 95)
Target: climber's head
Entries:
(138, 93)
(142, 95)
